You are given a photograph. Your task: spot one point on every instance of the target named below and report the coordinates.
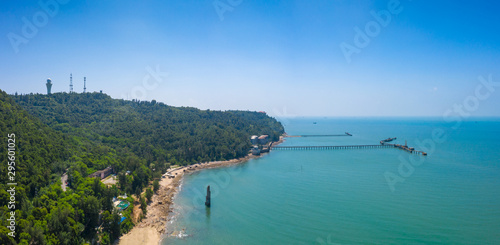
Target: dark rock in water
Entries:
(207, 202)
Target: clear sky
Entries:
(282, 57)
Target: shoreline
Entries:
(151, 229)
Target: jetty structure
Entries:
(207, 201)
(328, 147)
(387, 140)
(402, 147)
(383, 144)
(318, 135)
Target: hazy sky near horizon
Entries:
(417, 58)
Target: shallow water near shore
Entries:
(451, 196)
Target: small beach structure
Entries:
(263, 139)
(255, 151)
(254, 139)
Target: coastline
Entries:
(151, 229)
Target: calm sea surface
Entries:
(357, 196)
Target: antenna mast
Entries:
(84, 84)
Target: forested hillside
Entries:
(82, 133)
(153, 131)
(40, 148)
(43, 212)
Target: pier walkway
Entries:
(319, 135)
(383, 144)
(330, 147)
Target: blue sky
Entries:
(282, 57)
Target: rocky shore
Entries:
(150, 230)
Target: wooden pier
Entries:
(383, 144)
(330, 147)
(319, 135)
(408, 149)
(404, 147)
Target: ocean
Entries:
(353, 196)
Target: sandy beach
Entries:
(150, 230)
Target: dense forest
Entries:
(78, 134)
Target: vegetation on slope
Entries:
(44, 213)
(82, 133)
(156, 132)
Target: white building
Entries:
(254, 139)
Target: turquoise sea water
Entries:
(452, 196)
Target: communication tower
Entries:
(71, 83)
